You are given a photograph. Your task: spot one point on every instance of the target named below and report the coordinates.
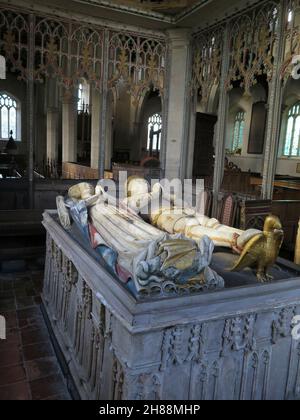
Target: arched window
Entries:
(154, 133)
(292, 137)
(83, 96)
(8, 116)
(238, 131)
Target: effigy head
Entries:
(136, 186)
(81, 191)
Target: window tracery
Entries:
(292, 137)
(8, 116)
(154, 133)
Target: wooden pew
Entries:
(284, 189)
(136, 170)
(288, 211)
(253, 213)
(238, 182)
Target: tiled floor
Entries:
(28, 366)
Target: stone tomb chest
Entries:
(235, 343)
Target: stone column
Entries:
(274, 111)
(52, 134)
(95, 140)
(221, 124)
(178, 101)
(69, 128)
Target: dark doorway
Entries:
(204, 147)
(258, 128)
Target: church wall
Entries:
(285, 165)
(239, 102)
(254, 163)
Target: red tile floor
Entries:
(29, 369)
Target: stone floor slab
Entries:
(29, 368)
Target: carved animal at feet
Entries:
(262, 251)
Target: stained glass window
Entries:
(292, 137)
(8, 116)
(238, 131)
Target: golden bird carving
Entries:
(262, 251)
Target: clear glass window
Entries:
(238, 131)
(154, 132)
(8, 116)
(292, 136)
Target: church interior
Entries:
(101, 299)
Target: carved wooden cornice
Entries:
(70, 51)
(61, 13)
(150, 12)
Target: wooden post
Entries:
(221, 125)
(297, 246)
(103, 119)
(274, 111)
(30, 112)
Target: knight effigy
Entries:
(157, 245)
